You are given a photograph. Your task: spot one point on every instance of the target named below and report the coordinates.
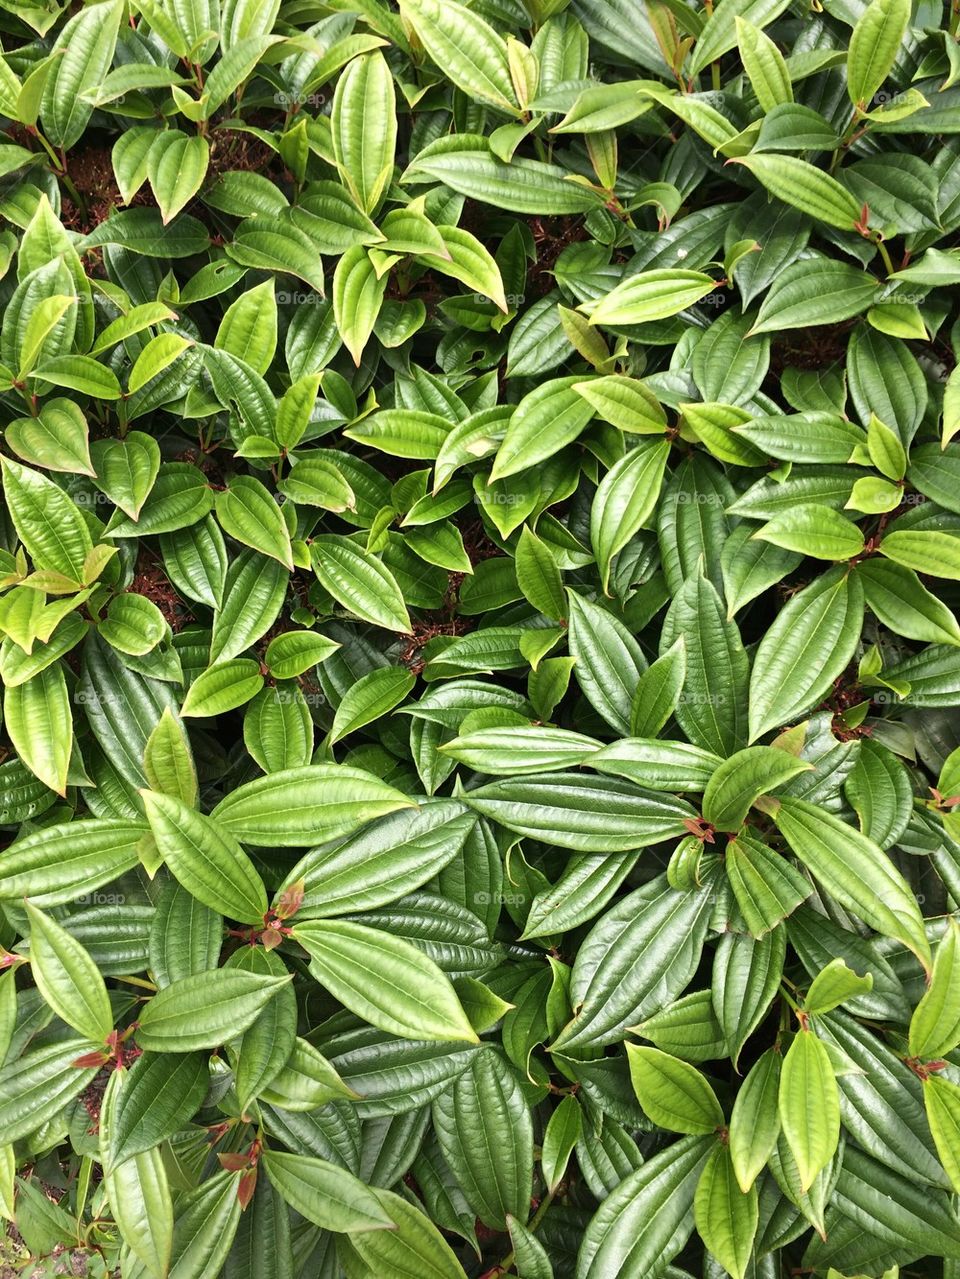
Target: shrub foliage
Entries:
(479, 561)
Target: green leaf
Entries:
(523, 186)
(814, 291)
(899, 599)
(855, 871)
(208, 862)
(874, 44)
(834, 985)
(673, 1093)
(813, 529)
(415, 1247)
(168, 761)
(608, 659)
(56, 864)
(381, 862)
(625, 403)
(809, 645)
(88, 40)
(658, 691)
(37, 1085)
(248, 329)
(296, 652)
(205, 1010)
(247, 512)
(559, 1139)
(642, 1225)
(805, 187)
(726, 1216)
(358, 294)
(514, 751)
(385, 980)
(650, 295)
(315, 481)
(809, 1105)
(324, 1193)
(138, 1191)
(364, 128)
(935, 1024)
(176, 166)
(655, 934)
(931, 552)
(548, 418)
(485, 1132)
(373, 696)
(746, 975)
(161, 1093)
(466, 48)
(942, 1101)
(67, 978)
(207, 1220)
(740, 781)
(79, 373)
(472, 264)
(56, 440)
(624, 501)
(755, 1119)
(223, 687)
(538, 575)
(40, 725)
(253, 595)
(764, 64)
(588, 814)
(712, 708)
(360, 582)
(720, 33)
(47, 522)
(133, 624)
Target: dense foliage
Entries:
(480, 559)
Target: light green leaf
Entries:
(809, 1105)
(205, 1010)
(364, 128)
(673, 1093)
(874, 44)
(206, 860)
(726, 1216)
(466, 48)
(385, 980)
(67, 978)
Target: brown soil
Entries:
(233, 150)
(551, 235)
(152, 582)
(818, 347)
(91, 172)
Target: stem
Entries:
(884, 253)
